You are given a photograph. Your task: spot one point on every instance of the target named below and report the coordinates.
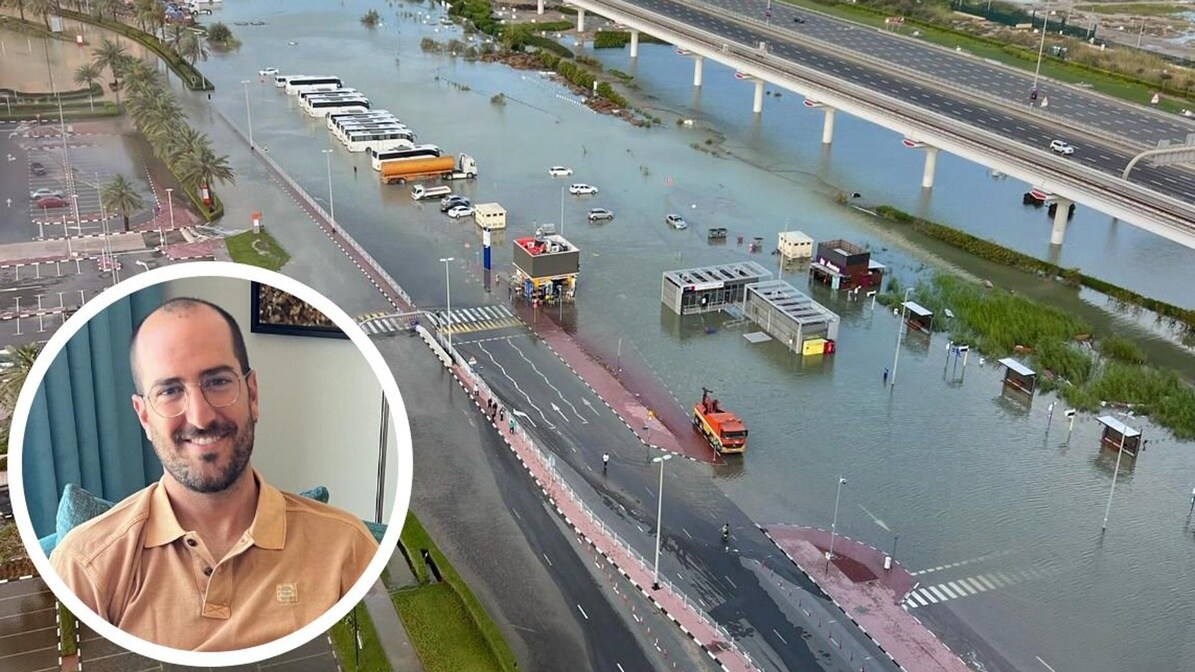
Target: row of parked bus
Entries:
(353, 121)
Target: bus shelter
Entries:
(1118, 435)
(1019, 376)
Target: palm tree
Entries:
(111, 6)
(43, 7)
(20, 6)
(89, 74)
(191, 48)
(110, 55)
(140, 79)
(119, 195)
(18, 360)
(198, 165)
(146, 11)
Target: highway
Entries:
(556, 407)
(1024, 128)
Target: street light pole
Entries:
(1042, 47)
(834, 524)
(448, 300)
(248, 112)
(900, 333)
(655, 584)
(331, 204)
(170, 207)
(1116, 472)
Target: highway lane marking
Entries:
(516, 384)
(549, 560)
(619, 666)
(785, 640)
(731, 581)
(949, 593)
(1044, 663)
(686, 531)
(582, 612)
(554, 388)
(516, 513)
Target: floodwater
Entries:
(959, 472)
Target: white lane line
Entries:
(920, 600)
(971, 582)
(780, 636)
(516, 384)
(929, 596)
(1044, 663)
(946, 589)
(554, 388)
(582, 612)
(728, 579)
(549, 560)
(983, 578)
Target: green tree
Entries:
(219, 34)
(119, 195)
(43, 7)
(199, 165)
(17, 361)
(88, 74)
(108, 6)
(371, 18)
(192, 49)
(19, 4)
(147, 11)
(110, 54)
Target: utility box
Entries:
(490, 216)
(795, 245)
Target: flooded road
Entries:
(969, 480)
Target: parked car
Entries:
(598, 214)
(268, 72)
(37, 168)
(460, 211)
(578, 189)
(44, 192)
(560, 171)
(51, 202)
(676, 221)
(449, 202)
(203, 11)
(1061, 147)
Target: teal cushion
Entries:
(319, 493)
(76, 507)
(48, 543)
(378, 530)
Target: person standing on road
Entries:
(605, 461)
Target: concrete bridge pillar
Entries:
(580, 20)
(698, 62)
(539, 7)
(634, 42)
(828, 126)
(757, 105)
(1061, 215)
(931, 165)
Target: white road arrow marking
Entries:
(557, 409)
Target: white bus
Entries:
(335, 118)
(321, 107)
(343, 130)
(294, 85)
(379, 140)
(281, 80)
(376, 159)
(399, 132)
(304, 95)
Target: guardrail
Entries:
(1168, 212)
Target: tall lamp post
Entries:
(331, 203)
(900, 333)
(1042, 47)
(1124, 429)
(169, 206)
(655, 583)
(248, 112)
(448, 300)
(834, 523)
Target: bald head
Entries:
(204, 320)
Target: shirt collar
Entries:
(267, 531)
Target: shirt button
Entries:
(191, 542)
(207, 571)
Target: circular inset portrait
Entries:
(210, 464)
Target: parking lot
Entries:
(97, 654)
(28, 627)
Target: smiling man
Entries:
(211, 557)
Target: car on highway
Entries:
(449, 202)
(456, 212)
(579, 189)
(798, 19)
(600, 214)
(1061, 147)
(44, 192)
(37, 168)
(560, 171)
(51, 202)
(675, 221)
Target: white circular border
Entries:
(398, 414)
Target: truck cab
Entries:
(420, 192)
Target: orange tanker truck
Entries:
(723, 429)
(444, 167)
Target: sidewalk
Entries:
(869, 595)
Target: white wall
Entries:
(320, 407)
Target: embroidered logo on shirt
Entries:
(287, 593)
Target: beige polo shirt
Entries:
(140, 570)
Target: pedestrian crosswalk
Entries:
(971, 585)
(459, 321)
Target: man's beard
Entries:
(177, 463)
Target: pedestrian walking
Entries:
(511, 426)
(501, 415)
(1193, 499)
(885, 375)
(9, 202)
(354, 171)
(476, 391)
(605, 461)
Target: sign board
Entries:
(703, 286)
(485, 237)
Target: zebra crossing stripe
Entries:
(928, 595)
(972, 583)
(920, 601)
(962, 591)
(982, 580)
(939, 594)
(949, 593)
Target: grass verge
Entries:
(66, 631)
(256, 249)
(372, 658)
(446, 622)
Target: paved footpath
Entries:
(868, 594)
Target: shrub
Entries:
(1121, 349)
(371, 18)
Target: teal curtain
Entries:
(82, 428)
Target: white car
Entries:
(578, 189)
(460, 211)
(1061, 147)
(268, 72)
(599, 214)
(676, 221)
(43, 192)
(560, 171)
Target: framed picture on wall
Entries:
(277, 312)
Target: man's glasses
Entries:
(220, 390)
